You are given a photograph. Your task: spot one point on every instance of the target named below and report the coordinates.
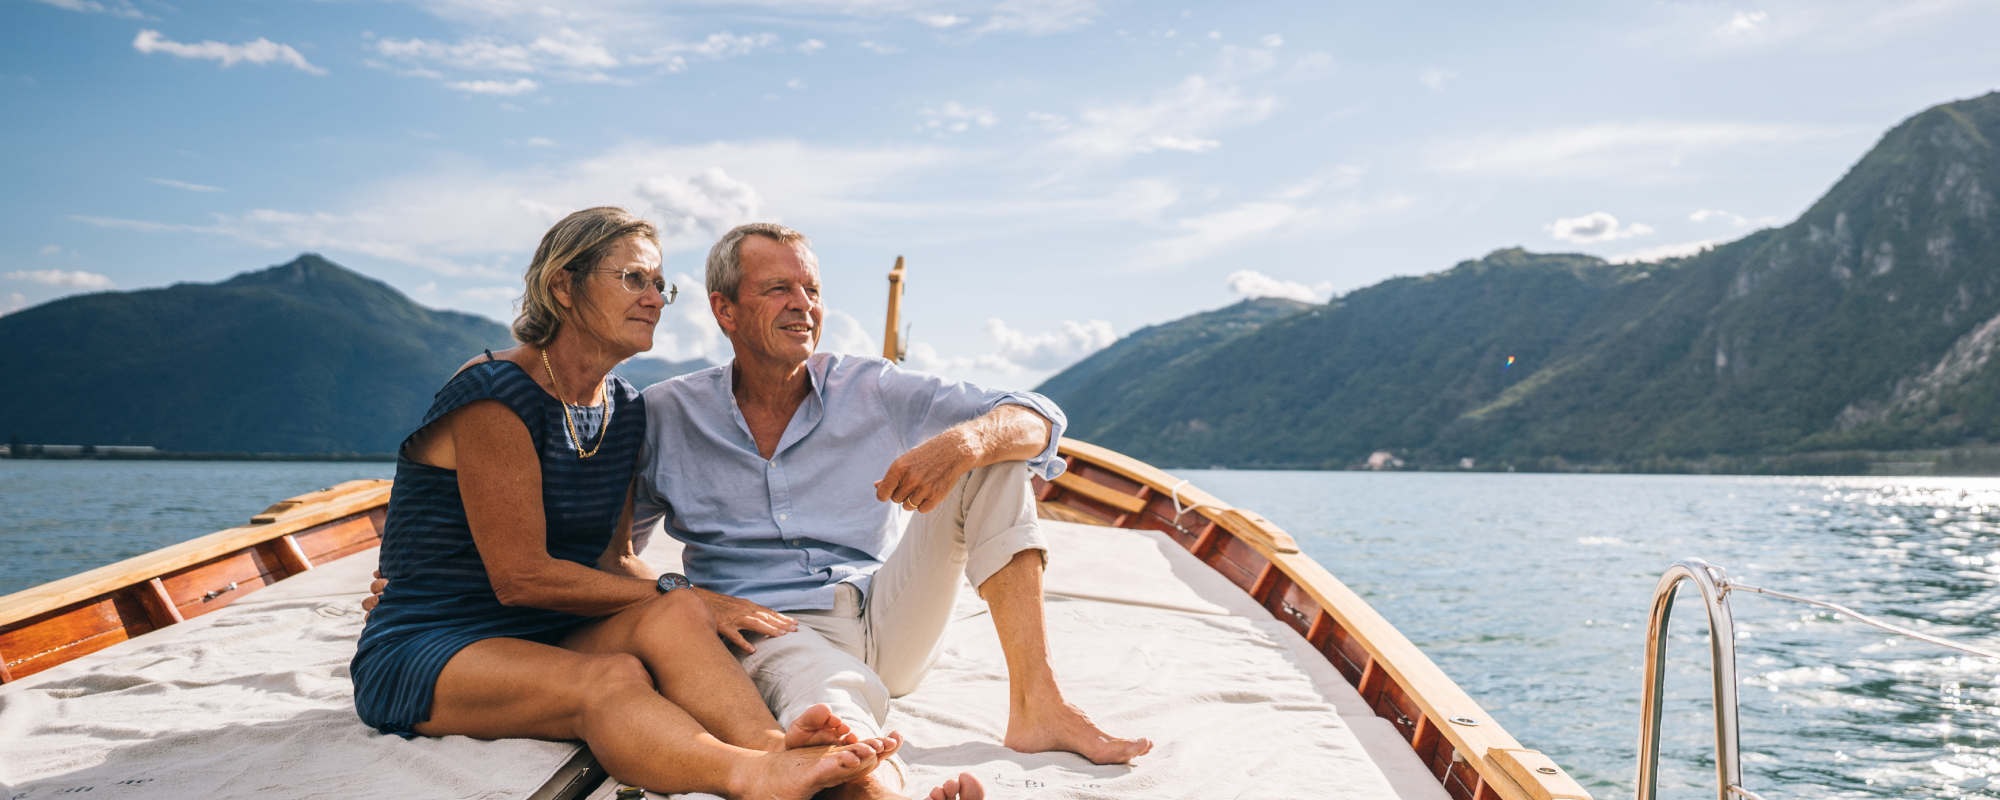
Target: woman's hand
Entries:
(734, 615)
(374, 593)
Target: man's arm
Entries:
(920, 478)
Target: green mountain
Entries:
(1107, 380)
(304, 357)
(1869, 322)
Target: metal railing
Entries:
(1722, 653)
(1715, 586)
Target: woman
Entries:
(514, 604)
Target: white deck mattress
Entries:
(254, 701)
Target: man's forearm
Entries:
(1007, 433)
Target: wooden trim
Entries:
(5, 676)
(159, 604)
(1391, 655)
(1527, 767)
(1071, 481)
(291, 555)
(349, 498)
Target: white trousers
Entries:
(867, 650)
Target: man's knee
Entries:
(614, 676)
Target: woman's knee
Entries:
(681, 609)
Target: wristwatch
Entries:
(673, 580)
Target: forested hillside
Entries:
(305, 357)
(1869, 322)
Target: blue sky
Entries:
(1058, 172)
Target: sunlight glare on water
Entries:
(1531, 591)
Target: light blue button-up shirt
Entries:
(785, 532)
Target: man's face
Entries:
(777, 311)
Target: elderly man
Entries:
(783, 472)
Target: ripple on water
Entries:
(1567, 564)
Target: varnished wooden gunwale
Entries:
(63, 620)
(1401, 684)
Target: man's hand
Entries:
(734, 615)
(919, 479)
(374, 593)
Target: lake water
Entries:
(1530, 590)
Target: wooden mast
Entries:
(893, 346)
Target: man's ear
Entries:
(724, 310)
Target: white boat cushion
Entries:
(252, 701)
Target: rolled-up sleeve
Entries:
(926, 405)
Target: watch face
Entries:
(674, 580)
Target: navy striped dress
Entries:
(439, 598)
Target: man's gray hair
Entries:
(725, 259)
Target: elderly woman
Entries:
(515, 605)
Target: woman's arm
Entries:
(500, 481)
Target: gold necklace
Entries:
(575, 439)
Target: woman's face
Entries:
(622, 319)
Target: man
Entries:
(783, 472)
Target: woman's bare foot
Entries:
(963, 787)
(1039, 728)
(818, 726)
(800, 773)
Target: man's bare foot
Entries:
(1039, 728)
(963, 787)
(819, 725)
(800, 773)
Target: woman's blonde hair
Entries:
(575, 244)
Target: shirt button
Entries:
(784, 516)
(795, 543)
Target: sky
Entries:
(1058, 173)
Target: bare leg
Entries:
(509, 688)
(1038, 718)
(674, 636)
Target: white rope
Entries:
(1840, 609)
(1734, 789)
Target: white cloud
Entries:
(68, 279)
(478, 53)
(1663, 252)
(954, 117)
(1596, 226)
(840, 332)
(1744, 22)
(119, 9)
(540, 141)
(1180, 120)
(1037, 17)
(51, 250)
(941, 20)
(1435, 78)
(490, 294)
(192, 187)
(1273, 40)
(710, 200)
(811, 46)
(261, 51)
(496, 88)
(1017, 352)
(795, 84)
(1707, 214)
(1607, 148)
(1251, 283)
(14, 301)
(880, 49)
(573, 49)
(716, 47)
(1207, 233)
